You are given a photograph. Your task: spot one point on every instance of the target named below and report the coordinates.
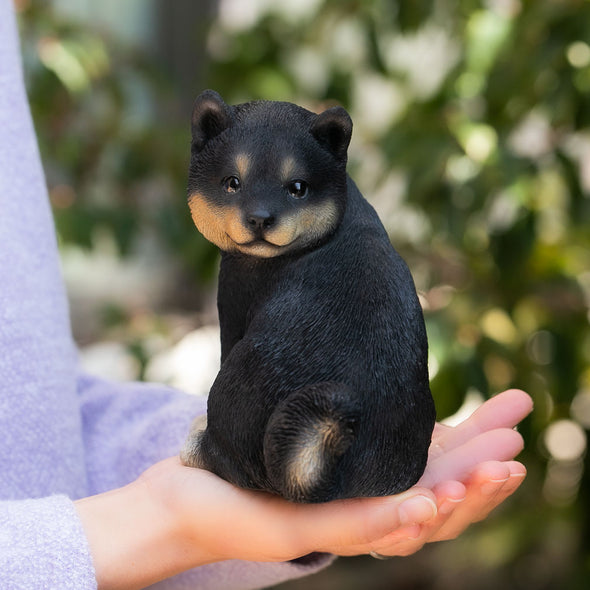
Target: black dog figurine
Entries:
(323, 391)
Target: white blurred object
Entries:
(425, 57)
(532, 138)
(191, 365)
(110, 360)
(565, 440)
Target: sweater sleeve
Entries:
(43, 546)
(128, 427)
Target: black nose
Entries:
(260, 220)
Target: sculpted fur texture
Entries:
(323, 390)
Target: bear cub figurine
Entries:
(323, 391)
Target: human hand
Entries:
(470, 472)
(175, 517)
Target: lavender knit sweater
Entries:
(66, 435)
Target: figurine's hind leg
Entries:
(306, 437)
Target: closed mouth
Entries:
(254, 242)
(261, 248)
(260, 241)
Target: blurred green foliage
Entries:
(113, 148)
(472, 139)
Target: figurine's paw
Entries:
(190, 454)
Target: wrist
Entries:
(134, 538)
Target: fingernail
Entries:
(449, 505)
(417, 509)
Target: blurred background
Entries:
(472, 140)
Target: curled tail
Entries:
(305, 439)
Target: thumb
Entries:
(338, 526)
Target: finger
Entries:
(409, 539)
(517, 470)
(405, 541)
(517, 474)
(449, 495)
(489, 486)
(504, 410)
(496, 445)
(479, 501)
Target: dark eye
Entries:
(297, 188)
(231, 184)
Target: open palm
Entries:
(469, 472)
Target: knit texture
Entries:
(40, 546)
(37, 357)
(65, 436)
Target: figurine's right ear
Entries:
(211, 116)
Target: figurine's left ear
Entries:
(333, 129)
(210, 117)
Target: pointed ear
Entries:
(333, 129)
(210, 117)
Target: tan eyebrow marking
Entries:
(242, 164)
(288, 168)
